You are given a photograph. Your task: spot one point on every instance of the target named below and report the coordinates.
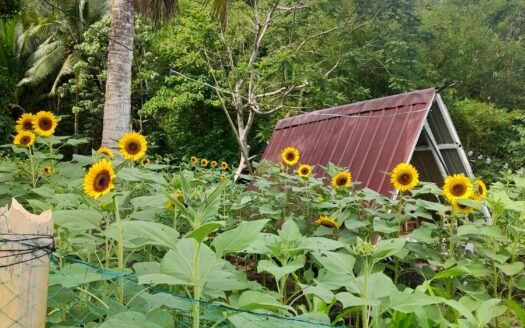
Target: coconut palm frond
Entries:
(68, 68)
(46, 61)
(158, 11)
(220, 11)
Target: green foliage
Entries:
(9, 8)
(189, 229)
(489, 136)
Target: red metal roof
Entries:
(369, 138)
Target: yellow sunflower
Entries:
(213, 163)
(304, 170)
(456, 187)
(179, 196)
(290, 156)
(223, 177)
(44, 123)
(479, 190)
(204, 162)
(327, 221)
(224, 165)
(145, 161)
(99, 179)
(404, 177)
(133, 146)
(47, 170)
(460, 208)
(106, 151)
(194, 159)
(25, 122)
(342, 179)
(24, 138)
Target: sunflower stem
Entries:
(120, 248)
(197, 289)
(33, 167)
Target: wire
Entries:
(38, 245)
(86, 24)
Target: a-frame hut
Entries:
(371, 137)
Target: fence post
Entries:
(23, 286)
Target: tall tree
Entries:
(117, 107)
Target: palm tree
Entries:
(117, 106)
(59, 29)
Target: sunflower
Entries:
(223, 177)
(479, 190)
(47, 170)
(460, 208)
(213, 163)
(25, 122)
(44, 123)
(194, 159)
(457, 187)
(342, 179)
(24, 138)
(304, 170)
(204, 162)
(99, 179)
(145, 161)
(290, 156)
(327, 221)
(133, 146)
(224, 165)
(106, 151)
(404, 177)
(179, 196)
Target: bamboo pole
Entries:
(23, 286)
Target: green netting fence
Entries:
(82, 295)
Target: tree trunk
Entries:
(117, 106)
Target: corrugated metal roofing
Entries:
(369, 138)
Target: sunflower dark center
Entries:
(25, 140)
(480, 190)
(463, 207)
(304, 171)
(341, 181)
(290, 156)
(45, 123)
(458, 189)
(133, 147)
(46, 170)
(102, 181)
(405, 178)
(27, 125)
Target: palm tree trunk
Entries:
(117, 106)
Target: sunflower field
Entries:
(289, 244)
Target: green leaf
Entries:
(409, 302)
(129, 319)
(160, 279)
(204, 230)
(179, 262)
(510, 269)
(74, 275)
(489, 310)
(349, 300)
(339, 263)
(77, 220)
(253, 300)
(239, 238)
(518, 310)
(149, 201)
(320, 291)
(141, 233)
(279, 271)
(386, 248)
(452, 272)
